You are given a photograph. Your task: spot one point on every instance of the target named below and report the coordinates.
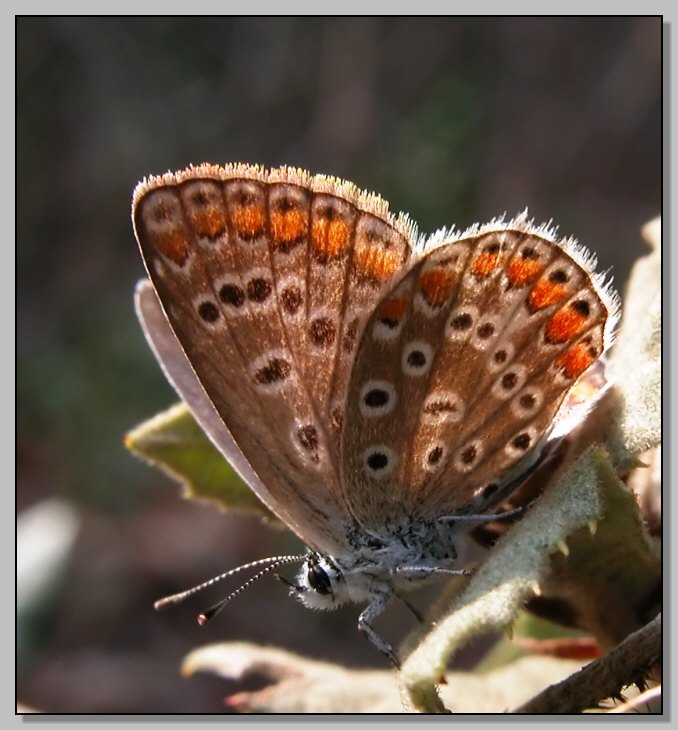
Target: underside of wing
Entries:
(462, 368)
(183, 379)
(266, 279)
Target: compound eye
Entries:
(319, 580)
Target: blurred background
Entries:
(454, 120)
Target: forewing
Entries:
(462, 368)
(174, 363)
(266, 278)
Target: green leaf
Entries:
(175, 443)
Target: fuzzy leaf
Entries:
(296, 684)
(635, 366)
(518, 567)
(618, 566)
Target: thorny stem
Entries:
(604, 677)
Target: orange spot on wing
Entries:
(485, 263)
(374, 262)
(248, 220)
(288, 226)
(173, 245)
(522, 271)
(545, 293)
(394, 309)
(436, 285)
(577, 359)
(564, 325)
(210, 223)
(329, 237)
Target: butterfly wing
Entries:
(462, 368)
(172, 359)
(266, 279)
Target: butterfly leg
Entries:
(478, 519)
(374, 609)
(427, 571)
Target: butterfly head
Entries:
(323, 584)
(320, 583)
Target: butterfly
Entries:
(378, 390)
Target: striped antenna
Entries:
(269, 563)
